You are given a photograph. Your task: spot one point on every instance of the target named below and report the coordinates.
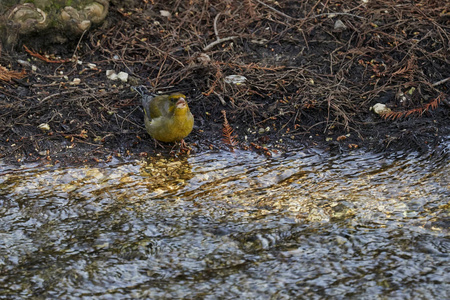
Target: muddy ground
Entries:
(313, 69)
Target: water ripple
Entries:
(303, 224)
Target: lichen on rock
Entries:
(50, 21)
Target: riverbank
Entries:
(307, 75)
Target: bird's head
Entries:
(179, 104)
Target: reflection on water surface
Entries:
(229, 225)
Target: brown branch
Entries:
(395, 115)
(219, 41)
(42, 57)
(7, 75)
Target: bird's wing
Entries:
(160, 106)
(146, 101)
(150, 110)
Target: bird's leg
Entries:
(183, 144)
(158, 144)
(184, 147)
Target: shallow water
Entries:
(302, 225)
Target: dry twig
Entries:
(42, 57)
(433, 104)
(7, 75)
(219, 40)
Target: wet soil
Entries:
(312, 70)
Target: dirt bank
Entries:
(312, 70)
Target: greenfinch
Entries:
(167, 117)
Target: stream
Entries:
(304, 224)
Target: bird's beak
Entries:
(181, 103)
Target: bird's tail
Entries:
(146, 98)
(141, 90)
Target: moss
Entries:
(57, 4)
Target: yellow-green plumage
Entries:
(167, 117)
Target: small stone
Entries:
(339, 25)
(76, 81)
(24, 63)
(123, 76)
(235, 79)
(380, 109)
(165, 13)
(111, 74)
(44, 127)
